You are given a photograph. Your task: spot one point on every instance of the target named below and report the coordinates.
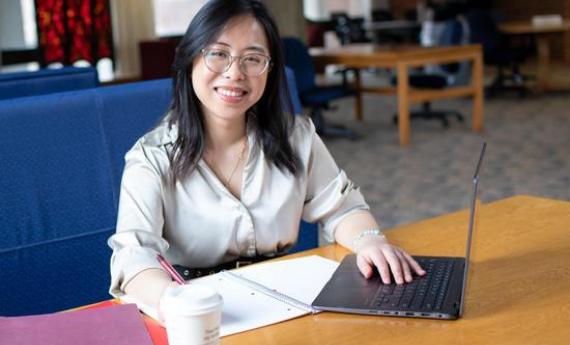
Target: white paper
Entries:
(301, 279)
(245, 308)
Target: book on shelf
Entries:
(265, 293)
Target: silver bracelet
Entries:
(371, 232)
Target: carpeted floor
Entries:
(528, 153)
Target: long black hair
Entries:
(273, 113)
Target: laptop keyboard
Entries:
(424, 293)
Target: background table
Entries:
(402, 58)
(543, 36)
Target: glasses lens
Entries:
(217, 60)
(254, 64)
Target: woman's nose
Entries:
(234, 71)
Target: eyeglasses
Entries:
(220, 61)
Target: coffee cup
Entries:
(192, 314)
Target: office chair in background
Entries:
(349, 30)
(497, 52)
(316, 97)
(441, 76)
(387, 37)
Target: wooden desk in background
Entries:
(543, 36)
(402, 58)
(518, 293)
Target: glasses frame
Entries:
(239, 58)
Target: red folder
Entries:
(156, 331)
(101, 324)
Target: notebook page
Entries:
(244, 308)
(301, 278)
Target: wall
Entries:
(289, 17)
(399, 7)
(11, 26)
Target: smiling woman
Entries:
(229, 172)
(227, 90)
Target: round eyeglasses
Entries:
(220, 61)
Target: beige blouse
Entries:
(198, 223)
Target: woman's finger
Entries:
(414, 264)
(394, 262)
(382, 265)
(364, 265)
(405, 265)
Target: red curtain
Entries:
(72, 30)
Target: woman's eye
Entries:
(219, 53)
(252, 58)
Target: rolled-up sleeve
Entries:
(140, 221)
(331, 196)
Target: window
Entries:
(29, 23)
(18, 25)
(173, 16)
(18, 35)
(320, 10)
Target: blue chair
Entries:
(293, 95)
(316, 97)
(44, 81)
(308, 232)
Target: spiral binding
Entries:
(272, 293)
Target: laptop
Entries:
(440, 294)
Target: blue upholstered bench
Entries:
(61, 164)
(62, 161)
(44, 81)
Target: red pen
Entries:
(168, 267)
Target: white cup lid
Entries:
(190, 299)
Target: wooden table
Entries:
(518, 293)
(544, 35)
(402, 58)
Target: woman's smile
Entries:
(231, 95)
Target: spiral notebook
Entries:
(264, 294)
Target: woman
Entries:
(227, 174)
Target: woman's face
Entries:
(226, 96)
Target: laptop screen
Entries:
(473, 220)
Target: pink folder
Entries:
(118, 325)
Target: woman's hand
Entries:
(359, 232)
(377, 252)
